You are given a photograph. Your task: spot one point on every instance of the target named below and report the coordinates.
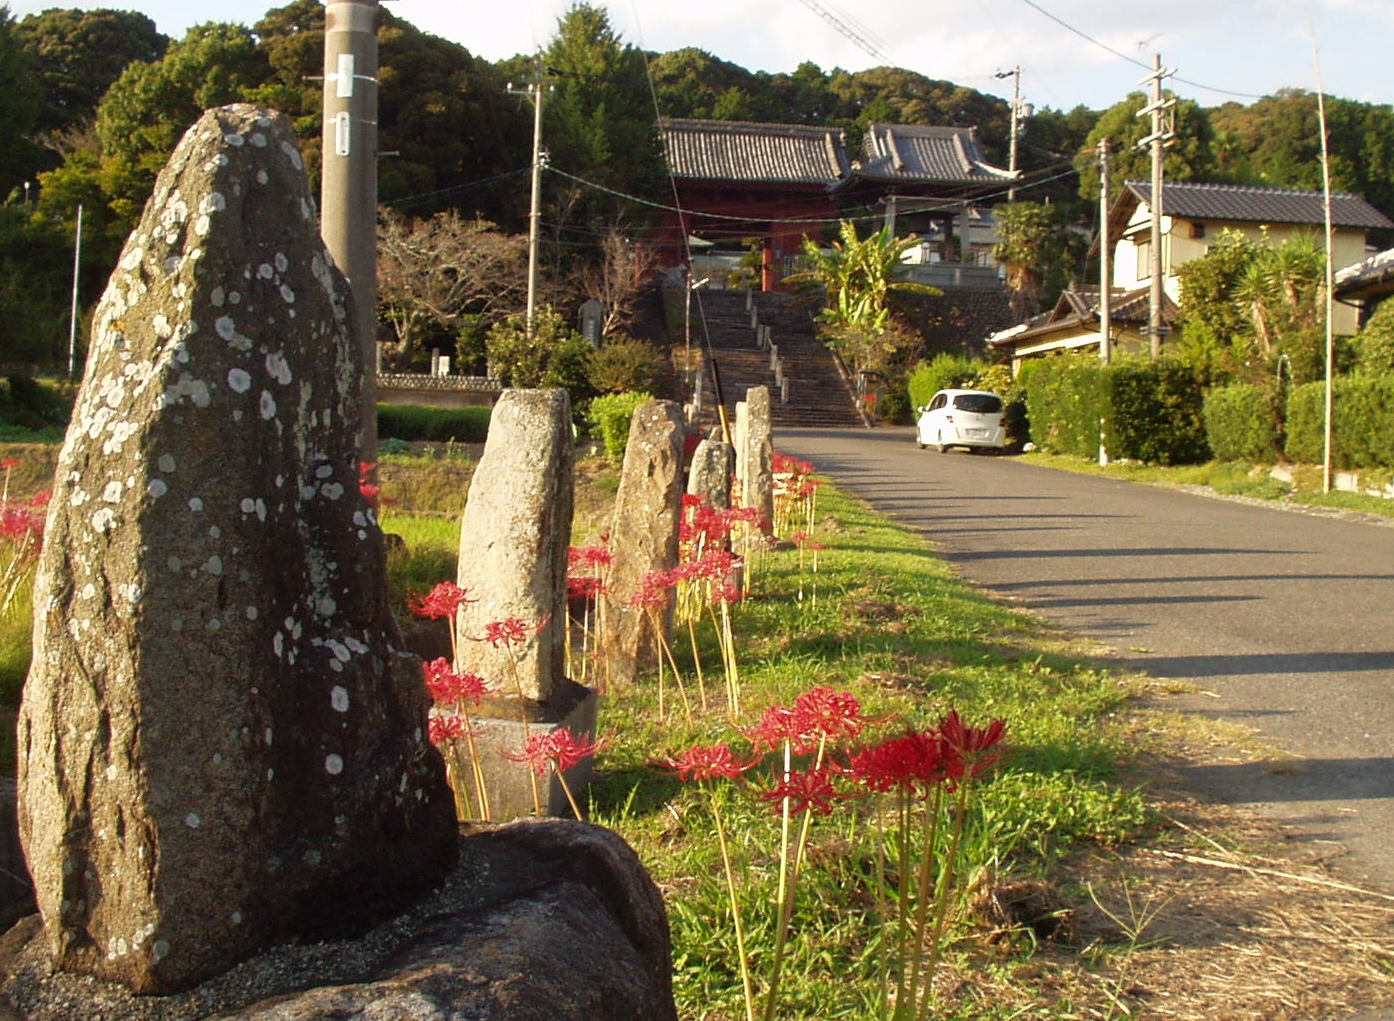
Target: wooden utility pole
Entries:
(1105, 260)
(1157, 141)
(349, 180)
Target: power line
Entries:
(1131, 60)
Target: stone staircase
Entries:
(816, 393)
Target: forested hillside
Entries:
(96, 100)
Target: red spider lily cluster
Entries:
(23, 524)
(449, 688)
(371, 490)
(559, 750)
(441, 603)
(930, 773)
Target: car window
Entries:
(938, 402)
(982, 404)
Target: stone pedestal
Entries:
(573, 706)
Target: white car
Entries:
(962, 418)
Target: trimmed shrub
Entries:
(943, 372)
(1242, 423)
(1157, 413)
(438, 425)
(1145, 411)
(1362, 420)
(1067, 403)
(609, 416)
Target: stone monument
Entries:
(221, 746)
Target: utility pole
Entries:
(1328, 282)
(1105, 260)
(349, 180)
(1015, 75)
(1157, 140)
(539, 159)
(72, 315)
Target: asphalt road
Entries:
(1284, 620)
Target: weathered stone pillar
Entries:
(644, 536)
(757, 488)
(740, 441)
(709, 475)
(513, 543)
(220, 745)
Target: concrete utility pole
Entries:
(539, 159)
(1105, 260)
(72, 314)
(349, 181)
(1015, 75)
(1157, 140)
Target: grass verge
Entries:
(887, 621)
(1227, 478)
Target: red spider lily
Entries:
(749, 515)
(586, 587)
(448, 727)
(706, 523)
(715, 565)
(447, 687)
(783, 464)
(824, 712)
(777, 725)
(978, 748)
(441, 603)
(703, 762)
(727, 594)
(18, 524)
(691, 500)
(370, 490)
(559, 750)
(809, 790)
(912, 763)
(40, 499)
(509, 631)
(589, 557)
(653, 591)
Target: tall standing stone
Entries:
(220, 745)
(758, 483)
(644, 535)
(709, 475)
(513, 542)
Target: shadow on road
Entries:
(1296, 780)
(1261, 663)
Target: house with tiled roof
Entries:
(783, 182)
(1193, 215)
(1074, 324)
(1366, 283)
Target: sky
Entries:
(1221, 50)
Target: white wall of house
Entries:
(1184, 240)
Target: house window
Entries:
(1144, 260)
(1197, 230)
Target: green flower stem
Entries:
(748, 991)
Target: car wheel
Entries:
(943, 447)
(919, 444)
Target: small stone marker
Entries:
(644, 536)
(709, 475)
(220, 746)
(513, 542)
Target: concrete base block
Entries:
(499, 729)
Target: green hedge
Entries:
(1066, 403)
(1362, 421)
(609, 416)
(416, 422)
(1242, 424)
(1147, 411)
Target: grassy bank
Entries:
(1226, 478)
